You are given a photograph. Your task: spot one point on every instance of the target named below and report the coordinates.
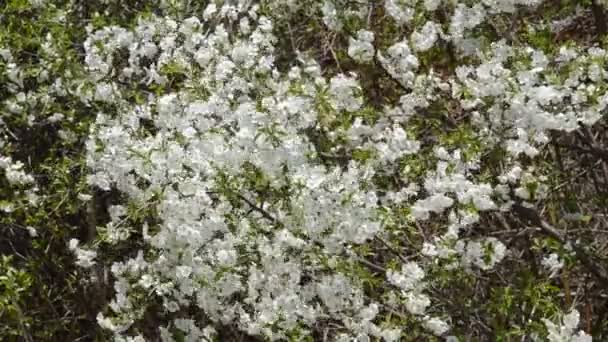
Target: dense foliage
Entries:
(303, 170)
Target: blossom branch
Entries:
(587, 260)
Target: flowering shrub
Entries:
(317, 170)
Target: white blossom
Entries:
(361, 48)
(565, 330)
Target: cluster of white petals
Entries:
(565, 330)
(266, 198)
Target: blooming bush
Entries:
(314, 170)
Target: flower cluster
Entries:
(285, 195)
(565, 329)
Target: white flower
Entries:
(84, 257)
(437, 326)
(183, 271)
(408, 278)
(330, 16)
(429, 250)
(566, 54)
(553, 264)
(391, 335)
(545, 95)
(103, 92)
(425, 38)
(226, 257)
(6, 55)
(361, 49)
(466, 18)
(564, 331)
(416, 303)
(399, 10)
(431, 5)
(436, 203)
(84, 197)
(32, 231)
(522, 192)
(342, 90)
(13, 171)
(370, 312)
(73, 244)
(56, 117)
(485, 254)
(400, 62)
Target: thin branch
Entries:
(588, 260)
(371, 264)
(575, 177)
(600, 17)
(379, 64)
(333, 53)
(391, 248)
(260, 210)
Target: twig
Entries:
(586, 259)
(574, 177)
(369, 14)
(404, 259)
(260, 210)
(600, 17)
(377, 61)
(293, 44)
(379, 64)
(371, 264)
(333, 53)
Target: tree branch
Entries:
(260, 210)
(600, 17)
(589, 261)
